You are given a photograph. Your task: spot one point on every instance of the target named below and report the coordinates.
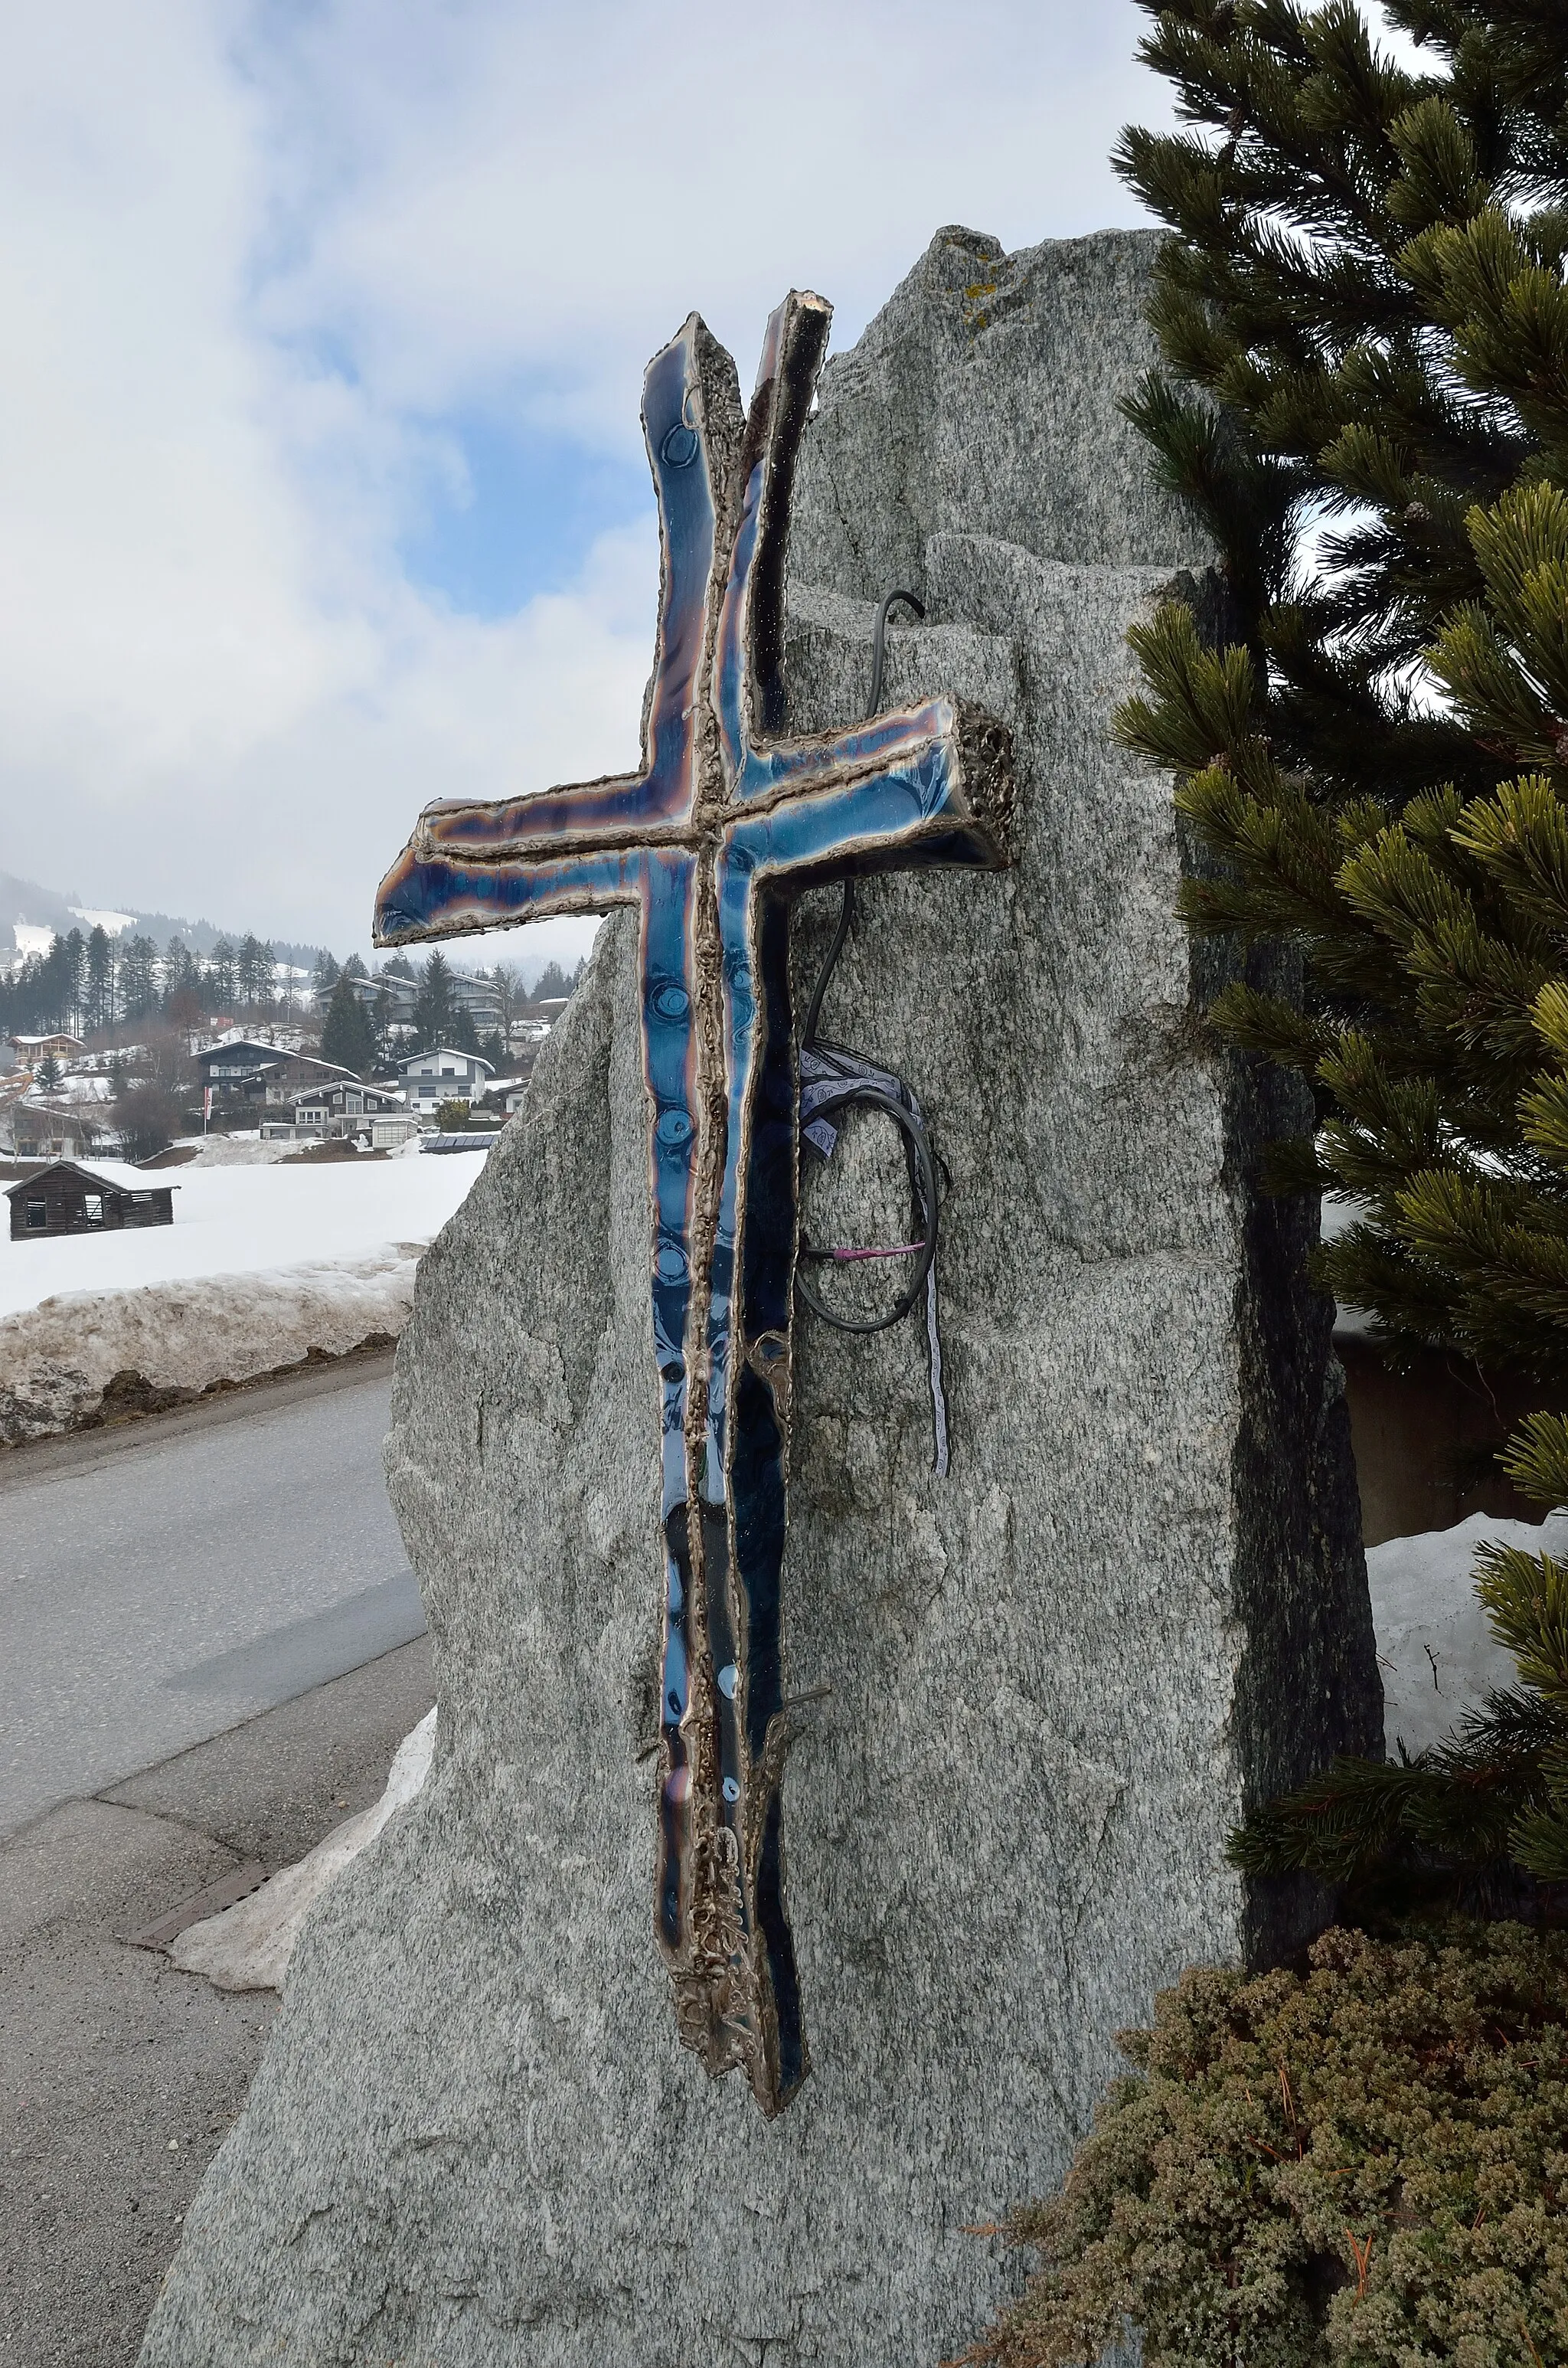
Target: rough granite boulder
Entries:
(1034, 1695)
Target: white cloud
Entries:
(256, 255)
(547, 198)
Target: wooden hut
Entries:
(68, 1197)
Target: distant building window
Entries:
(94, 1205)
(38, 1214)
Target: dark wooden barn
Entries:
(105, 1198)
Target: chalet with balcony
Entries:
(343, 1106)
(247, 1074)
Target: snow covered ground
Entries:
(1435, 1651)
(247, 1220)
(264, 1262)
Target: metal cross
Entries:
(725, 822)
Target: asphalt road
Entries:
(119, 2076)
(163, 1582)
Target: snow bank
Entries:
(247, 1947)
(229, 1151)
(262, 1264)
(1435, 1649)
(57, 1360)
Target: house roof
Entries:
(267, 1057)
(332, 1068)
(275, 1056)
(348, 1085)
(106, 1175)
(445, 1052)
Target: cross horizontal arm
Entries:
(438, 898)
(947, 800)
(587, 818)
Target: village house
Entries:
(480, 999)
(442, 1075)
(245, 1074)
(342, 1106)
(35, 1125)
(30, 1050)
(69, 1198)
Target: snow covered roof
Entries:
(332, 1068)
(346, 1085)
(446, 1053)
(113, 1174)
(245, 1044)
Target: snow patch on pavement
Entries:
(247, 1947)
(57, 1360)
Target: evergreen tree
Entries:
(323, 978)
(554, 982)
(346, 1036)
(71, 954)
(139, 978)
(54, 984)
(434, 1006)
(100, 981)
(253, 974)
(221, 975)
(182, 979)
(1365, 317)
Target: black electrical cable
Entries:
(923, 1181)
(916, 1145)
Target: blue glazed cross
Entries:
(726, 821)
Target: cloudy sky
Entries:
(320, 485)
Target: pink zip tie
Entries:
(905, 1249)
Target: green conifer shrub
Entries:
(1362, 2165)
(1364, 318)
(1366, 322)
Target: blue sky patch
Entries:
(531, 506)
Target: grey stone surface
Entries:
(1036, 1694)
(981, 406)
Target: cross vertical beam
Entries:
(726, 821)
